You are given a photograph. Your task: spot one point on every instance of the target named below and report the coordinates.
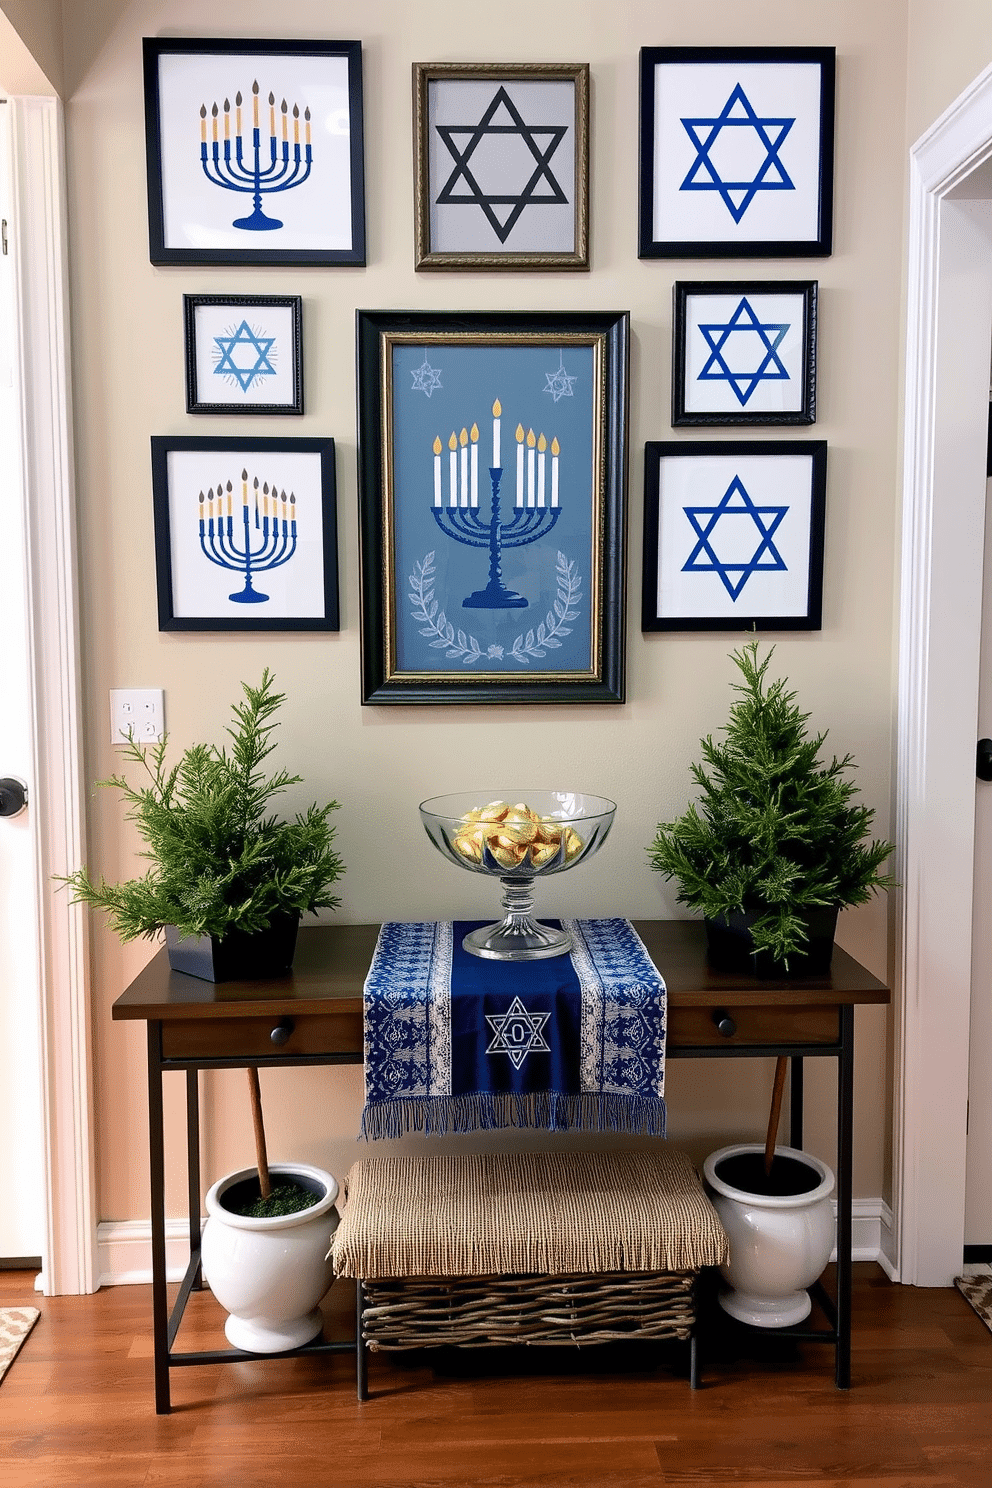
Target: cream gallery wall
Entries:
(158, 305)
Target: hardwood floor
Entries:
(76, 1408)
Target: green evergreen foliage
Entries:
(219, 862)
(774, 832)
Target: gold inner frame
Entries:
(390, 586)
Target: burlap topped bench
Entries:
(525, 1248)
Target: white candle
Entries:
(463, 441)
(497, 410)
(474, 436)
(520, 465)
(437, 470)
(542, 445)
(555, 448)
(531, 441)
(453, 469)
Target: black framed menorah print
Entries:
(254, 151)
(245, 533)
(501, 154)
(736, 152)
(492, 488)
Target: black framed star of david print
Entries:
(744, 353)
(502, 165)
(736, 152)
(733, 535)
(244, 353)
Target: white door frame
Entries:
(37, 238)
(949, 335)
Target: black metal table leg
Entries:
(193, 1166)
(845, 1160)
(796, 1102)
(361, 1350)
(156, 1163)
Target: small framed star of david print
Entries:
(244, 353)
(744, 353)
(733, 535)
(245, 533)
(736, 152)
(502, 165)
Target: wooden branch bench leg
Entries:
(361, 1347)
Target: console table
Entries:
(314, 1016)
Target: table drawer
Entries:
(251, 1038)
(701, 1026)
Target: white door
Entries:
(978, 1173)
(22, 1223)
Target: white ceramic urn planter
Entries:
(270, 1274)
(779, 1241)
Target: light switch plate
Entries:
(140, 710)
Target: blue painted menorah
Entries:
(261, 170)
(531, 518)
(275, 543)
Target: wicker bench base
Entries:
(499, 1311)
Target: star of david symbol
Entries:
(517, 1033)
(744, 324)
(426, 378)
(704, 557)
(738, 191)
(491, 144)
(244, 356)
(559, 384)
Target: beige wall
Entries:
(949, 44)
(31, 46)
(379, 762)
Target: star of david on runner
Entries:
(745, 325)
(769, 133)
(426, 379)
(704, 557)
(559, 384)
(475, 185)
(244, 356)
(517, 1033)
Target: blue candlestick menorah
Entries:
(263, 169)
(461, 519)
(276, 533)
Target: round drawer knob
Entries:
(282, 1032)
(725, 1024)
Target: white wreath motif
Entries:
(458, 645)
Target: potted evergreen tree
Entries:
(227, 884)
(774, 847)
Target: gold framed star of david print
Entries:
(501, 155)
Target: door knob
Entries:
(983, 761)
(13, 796)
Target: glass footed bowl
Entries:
(496, 835)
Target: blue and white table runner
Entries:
(454, 1042)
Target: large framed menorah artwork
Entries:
(492, 489)
(501, 154)
(245, 533)
(736, 152)
(744, 353)
(733, 535)
(254, 151)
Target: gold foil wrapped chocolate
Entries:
(515, 837)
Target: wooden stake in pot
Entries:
(261, 1159)
(778, 1090)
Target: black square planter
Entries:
(236, 957)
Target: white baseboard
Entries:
(124, 1251)
(124, 1248)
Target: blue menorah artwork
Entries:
(268, 164)
(262, 538)
(534, 514)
